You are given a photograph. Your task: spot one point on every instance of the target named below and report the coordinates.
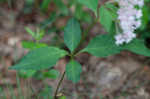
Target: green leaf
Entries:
(82, 15)
(1, 1)
(72, 2)
(41, 58)
(45, 4)
(26, 73)
(39, 34)
(73, 71)
(28, 6)
(62, 7)
(72, 34)
(46, 93)
(62, 97)
(47, 22)
(102, 46)
(137, 46)
(91, 4)
(145, 17)
(53, 74)
(30, 31)
(32, 45)
(106, 18)
(112, 9)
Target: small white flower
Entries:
(130, 19)
(141, 3)
(138, 24)
(124, 38)
(119, 39)
(139, 14)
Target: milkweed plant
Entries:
(121, 19)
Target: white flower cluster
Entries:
(130, 19)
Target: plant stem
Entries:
(59, 83)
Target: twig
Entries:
(59, 83)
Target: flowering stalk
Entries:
(129, 15)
